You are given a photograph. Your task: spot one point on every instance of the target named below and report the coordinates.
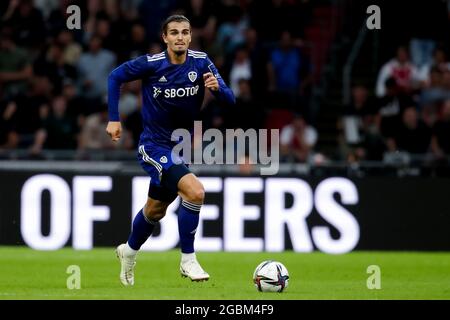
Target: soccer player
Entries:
(173, 85)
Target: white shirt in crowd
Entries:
(239, 71)
(287, 134)
(405, 75)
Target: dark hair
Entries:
(174, 18)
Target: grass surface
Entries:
(29, 274)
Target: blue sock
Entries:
(142, 229)
(188, 217)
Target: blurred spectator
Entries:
(427, 26)
(57, 19)
(412, 135)
(93, 135)
(241, 69)
(46, 6)
(103, 30)
(284, 65)
(130, 9)
(421, 51)
(258, 59)
(440, 144)
(432, 95)
(121, 24)
(390, 107)
(129, 98)
(94, 67)
(58, 130)
(52, 65)
(76, 104)
(15, 66)
(439, 61)
(361, 139)
(203, 21)
(288, 71)
(401, 70)
(94, 10)
(297, 140)
(72, 49)
(138, 43)
(354, 115)
(28, 110)
(28, 24)
(230, 34)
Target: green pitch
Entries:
(29, 274)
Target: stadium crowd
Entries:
(408, 115)
(53, 81)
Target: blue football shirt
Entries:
(172, 93)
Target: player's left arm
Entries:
(215, 83)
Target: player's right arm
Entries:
(128, 71)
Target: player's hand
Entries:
(210, 81)
(114, 129)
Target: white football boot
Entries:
(127, 266)
(192, 269)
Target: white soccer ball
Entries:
(271, 276)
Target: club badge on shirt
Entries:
(192, 76)
(163, 159)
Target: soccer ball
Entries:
(271, 276)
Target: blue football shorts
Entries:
(165, 170)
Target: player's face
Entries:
(178, 36)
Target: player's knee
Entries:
(196, 195)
